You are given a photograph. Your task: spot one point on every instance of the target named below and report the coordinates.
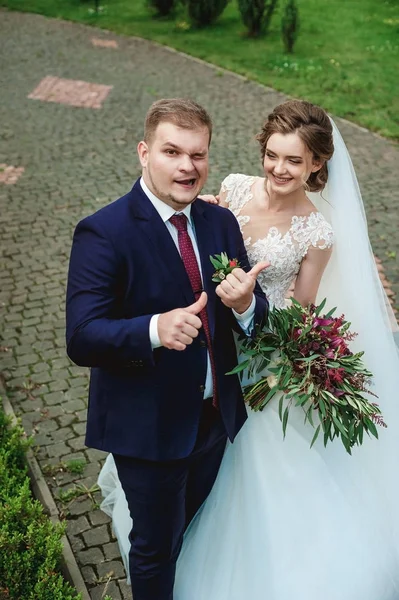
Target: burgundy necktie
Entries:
(190, 262)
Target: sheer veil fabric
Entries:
(284, 521)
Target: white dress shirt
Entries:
(165, 211)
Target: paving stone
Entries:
(65, 420)
(72, 406)
(111, 550)
(89, 575)
(97, 536)
(95, 455)
(47, 426)
(98, 517)
(63, 434)
(92, 556)
(80, 506)
(76, 544)
(125, 589)
(100, 591)
(112, 569)
(78, 525)
(76, 456)
(55, 398)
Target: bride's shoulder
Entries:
(236, 179)
(314, 230)
(236, 191)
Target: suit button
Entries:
(203, 343)
(202, 389)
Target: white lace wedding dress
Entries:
(283, 521)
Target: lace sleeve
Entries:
(312, 232)
(236, 191)
(321, 234)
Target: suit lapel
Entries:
(160, 240)
(207, 246)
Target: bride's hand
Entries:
(210, 198)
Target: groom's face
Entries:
(175, 163)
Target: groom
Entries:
(144, 314)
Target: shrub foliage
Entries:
(30, 544)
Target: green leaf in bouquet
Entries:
(240, 367)
(322, 407)
(360, 433)
(302, 399)
(316, 435)
(280, 407)
(371, 427)
(339, 426)
(307, 359)
(320, 307)
(351, 402)
(327, 431)
(286, 377)
(285, 419)
(347, 444)
(330, 313)
(330, 395)
(308, 416)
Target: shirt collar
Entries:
(164, 210)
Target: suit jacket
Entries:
(124, 268)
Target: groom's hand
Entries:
(178, 328)
(237, 289)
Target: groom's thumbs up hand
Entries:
(258, 268)
(196, 308)
(236, 290)
(178, 328)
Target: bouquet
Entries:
(311, 367)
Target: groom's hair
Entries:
(182, 112)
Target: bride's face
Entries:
(288, 163)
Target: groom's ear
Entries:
(142, 150)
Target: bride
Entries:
(284, 521)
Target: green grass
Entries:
(345, 59)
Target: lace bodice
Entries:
(284, 252)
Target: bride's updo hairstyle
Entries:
(314, 128)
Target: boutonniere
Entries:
(223, 265)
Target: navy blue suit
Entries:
(146, 406)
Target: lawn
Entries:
(346, 56)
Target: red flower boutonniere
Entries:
(223, 265)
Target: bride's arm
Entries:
(310, 274)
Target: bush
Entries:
(163, 7)
(205, 12)
(290, 25)
(30, 544)
(256, 15)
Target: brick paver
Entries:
(76, 161)
(10, 174)
(70, 91)
(102, 43)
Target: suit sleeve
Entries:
(95, 336)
